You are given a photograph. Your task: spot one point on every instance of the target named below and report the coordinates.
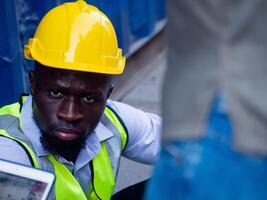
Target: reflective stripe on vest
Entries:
(101, 163)
(112, 115)
(13, 109)
(72, 190)
(103, 183)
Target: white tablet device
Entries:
(22, 182)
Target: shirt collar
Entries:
(33, 133)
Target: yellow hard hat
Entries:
(76, 36)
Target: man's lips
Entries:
(67, 134)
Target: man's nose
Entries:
(70, 111)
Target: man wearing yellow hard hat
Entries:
(67, 125)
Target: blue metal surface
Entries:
(160, 9)
(141, 17)
(10, 53)
(132, 20)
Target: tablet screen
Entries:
(19, 188)
(20, 182)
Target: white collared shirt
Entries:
(143, 141)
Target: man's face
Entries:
(67, 105)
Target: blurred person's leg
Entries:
(214, 45)
(208, 169)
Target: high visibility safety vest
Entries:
(104, 165)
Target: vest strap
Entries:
(25, 146)
(13, 109)
(103, 183)
(102, 176)
(64, 179)
(116, 120)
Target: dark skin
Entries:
(67, 106)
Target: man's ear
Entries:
(31, 81)
(110, 90)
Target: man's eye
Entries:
(88, 99)
(55, 94)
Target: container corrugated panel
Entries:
(141, 17)
(11, 80)
(160, 9)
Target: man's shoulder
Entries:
(116, 106)
(8, 121)
(121, 108)
(131, 115)
(119, 105)
(10, 150)
(112, 103)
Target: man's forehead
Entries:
(53, 74)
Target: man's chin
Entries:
(61, 147)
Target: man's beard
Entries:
(65, 149)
